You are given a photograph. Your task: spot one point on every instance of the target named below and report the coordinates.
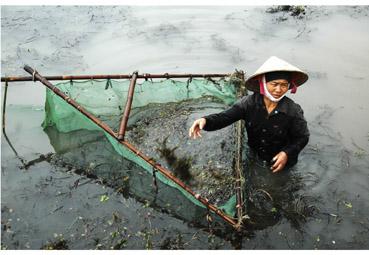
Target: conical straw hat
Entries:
(276, 64)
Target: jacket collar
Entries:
(282, 105)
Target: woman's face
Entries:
(277, 88)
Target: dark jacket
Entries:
(284, 129)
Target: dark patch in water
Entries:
(180, 166)
(172, 243)
(272, 197)
(56, 245)
(293, 10)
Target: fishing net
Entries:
(162, 112)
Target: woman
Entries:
(276, 128)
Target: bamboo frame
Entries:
(162, 170)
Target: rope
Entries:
(209, 219)
(188, 85)
(145, 76)
(108, 84)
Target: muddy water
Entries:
(330, 43)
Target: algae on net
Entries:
(161, 132)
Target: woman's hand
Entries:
(196, 127)
(280, 160)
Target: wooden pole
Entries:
(3, 126)
(240, 129)
(113, 76)
(4, 105)
(127, 109)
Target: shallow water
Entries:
(330, 43)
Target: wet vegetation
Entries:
(293, 10)
(59, 244)
(180, 166)
(43, 157)
(271, 198)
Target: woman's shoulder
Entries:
(293, 107)
(253, 98)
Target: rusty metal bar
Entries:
(112, 76)
(127, 109)
(106, 128)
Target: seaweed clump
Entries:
(181, 166)
(60, 244)
(293, 10)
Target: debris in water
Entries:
(294, 10)
(60, 244)
(180, 166)
(348, 204)
(104, 198)
(43, 157)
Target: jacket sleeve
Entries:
(227, 117)
(299, 134)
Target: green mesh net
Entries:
(162, 111)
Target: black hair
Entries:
(277, 75)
